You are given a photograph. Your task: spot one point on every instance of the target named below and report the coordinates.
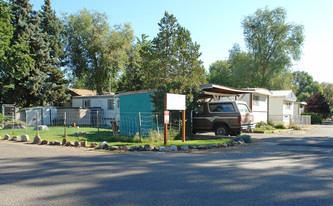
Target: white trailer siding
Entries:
(108, 103)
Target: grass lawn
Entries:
(105, 134)
(269, 130)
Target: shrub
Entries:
(296, 127)
(245, 138)
(137, 137)
(17, 124)
(154, 136)
(270, 122)
(280, 125)
(261, 124)
(268, 127)
(315, 118)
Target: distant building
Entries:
(282, 105)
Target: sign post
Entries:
(165, 125)
(174, 102)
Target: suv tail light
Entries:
(239, 118)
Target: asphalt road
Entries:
(288, 169)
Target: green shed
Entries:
(136, 113)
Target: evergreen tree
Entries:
(53, 30)
(174, 64)
(173, 56)
(36, 79)
(19, 60)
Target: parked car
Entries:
(224, 118)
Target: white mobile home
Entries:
(109, 104)
(282, 105)
(257, 100)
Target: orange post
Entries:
(165, 125)
(183, 130)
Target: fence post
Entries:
(179, 122)
(65, 129)
(13, 123)
(36, 122)
(140, 126)
(26, 123)
(158, 130)
(98, 123)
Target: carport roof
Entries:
(216, 90)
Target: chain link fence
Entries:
(90, 124)
(290, 120)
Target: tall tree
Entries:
(304, 85)
(173, 63)
(19, 61)
(53, 31)
(173, 56)
(272, 42)
(95, 50)
(131, 80)
(220, 73)
(328, 93)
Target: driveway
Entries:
(279, 169)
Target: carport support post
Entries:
(183, 129)
(165, 125)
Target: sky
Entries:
(216, 24)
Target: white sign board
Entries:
(176, 102)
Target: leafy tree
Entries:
(318, 104)
(243, 74)
(131, 80)
(220, 73)
(272, 42)
(96, 51)
(304, 86)
(328, 92)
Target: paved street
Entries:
(288, 169)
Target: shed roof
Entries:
(286, 94)
(262, 91)
(82, 92)
(217, 91)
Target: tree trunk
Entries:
(99, 89)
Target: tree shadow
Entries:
(261, 174)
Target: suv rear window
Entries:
(221, 107)
(243, 108)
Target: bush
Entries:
(17, 124)
(270, 122)
(245, 138)
(296, 127)
(280, 125)
(154, 136)
(261, 124)
(267, 127)
(315, 118)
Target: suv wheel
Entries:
(222, 130)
